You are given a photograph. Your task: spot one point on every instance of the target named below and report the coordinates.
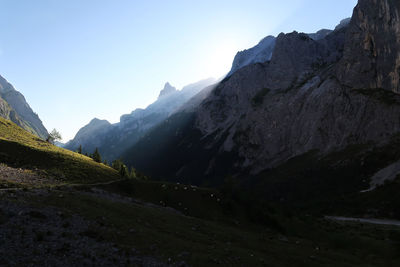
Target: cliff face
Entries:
(14, 107)
(262, 52)
(372, 49)
(313, 94)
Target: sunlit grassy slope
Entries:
(21, 149)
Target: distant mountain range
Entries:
(113, 139)
(14, 107)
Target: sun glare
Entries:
(219, 61)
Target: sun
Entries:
(220, 58)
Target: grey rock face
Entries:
(386, 174)
(321, 34)
(343, 23)
(14, 107)
(306, 97)
(260, 53)
(372, 49)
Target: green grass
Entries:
(199, 202)
(21, 149)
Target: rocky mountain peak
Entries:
(343, 23)
(260, 53)
(97, 121)
(168, 89)
(263, 51)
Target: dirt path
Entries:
(54, 184)
(362, 220)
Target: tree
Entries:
(121, 168)
(79, 149)
(96, 156)
(124, 171)
(117, 164)
(54, 136)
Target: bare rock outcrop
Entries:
(14, 107)
(313, 94)
(372, 49)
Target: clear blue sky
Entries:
(79, 59)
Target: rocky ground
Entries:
(24, 177)
(31, 236)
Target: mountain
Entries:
(262, 52)
(168, 89)
(271, 204)
(318, 96)
(56, 201)
(113, 139)
(91, 135)
(14, 107)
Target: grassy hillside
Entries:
(21, 149)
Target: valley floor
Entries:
(106, 226)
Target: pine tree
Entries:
(116, 164)
(121, 168)
(123, 171)
(80, 149)
(96, 156)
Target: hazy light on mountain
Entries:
(103, 58)
(219, 60)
